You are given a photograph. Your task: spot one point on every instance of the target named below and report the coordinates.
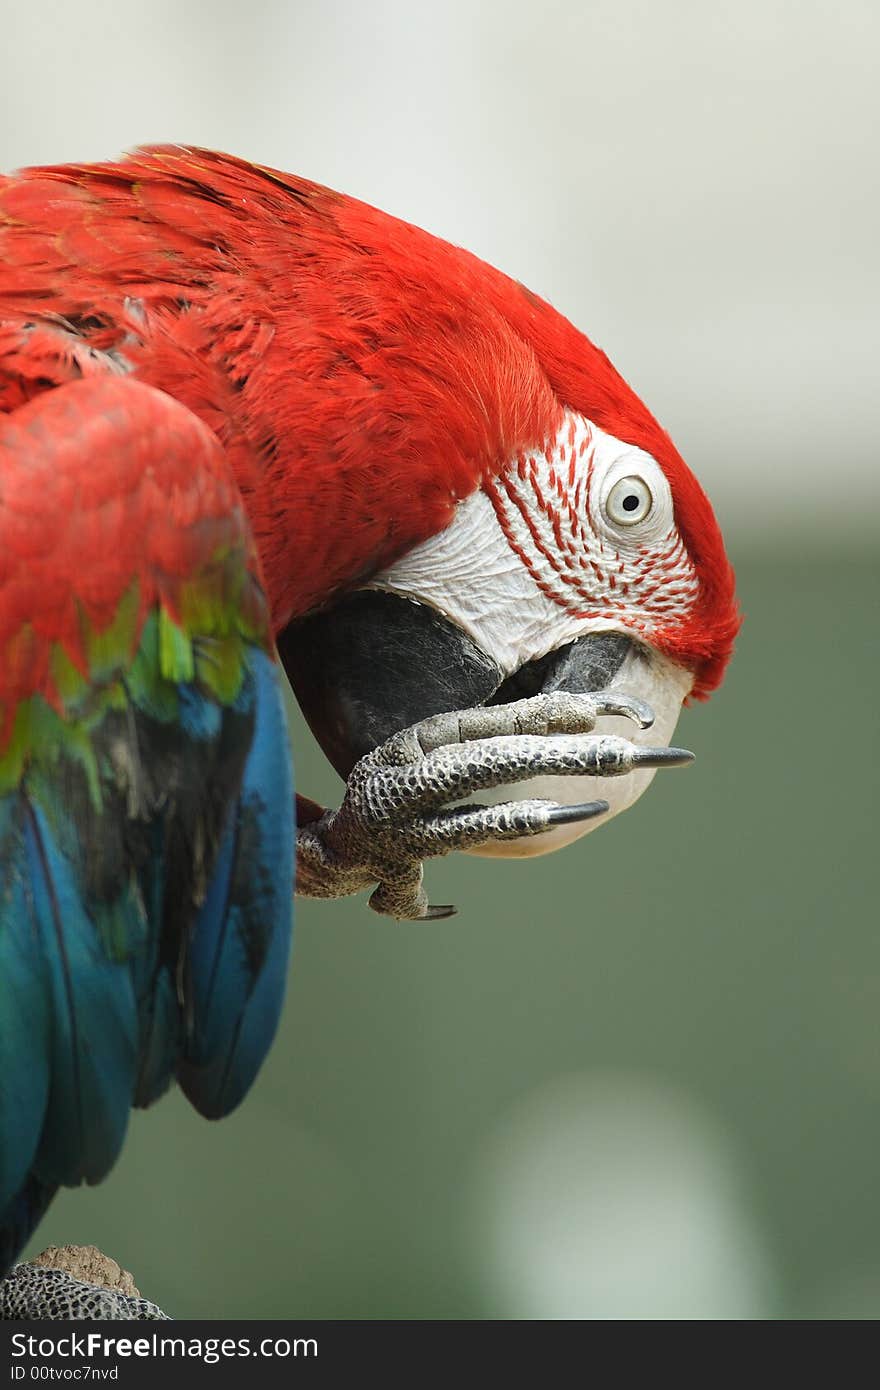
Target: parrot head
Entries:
(587, 563)
(524, 523)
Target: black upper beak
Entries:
(376, 663)
(588, 663)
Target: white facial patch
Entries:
(544, 552)
(574, 539)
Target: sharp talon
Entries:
(584, 810)
(645, 714)
(438, 910)
(662, 757)
(631, 708)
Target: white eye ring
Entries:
(629, 502)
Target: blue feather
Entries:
(94, 1043)
(238, 955)
(25, 1028)
(20, 1216)
(198, 717)
(155, 989)
(67, 1025)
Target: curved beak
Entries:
(377, 662)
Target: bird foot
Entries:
(396, 809)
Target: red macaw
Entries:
(471, 540)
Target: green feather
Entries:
(110, 649)
(175, 650)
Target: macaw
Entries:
(242, 415)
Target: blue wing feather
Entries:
(94, 1043)
(25, 1026)
(240, 945)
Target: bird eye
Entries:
(629, 502)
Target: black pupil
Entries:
(630, 502)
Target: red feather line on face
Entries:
(362, 375)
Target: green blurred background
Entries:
(639, 1078)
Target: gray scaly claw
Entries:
(396, 810)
